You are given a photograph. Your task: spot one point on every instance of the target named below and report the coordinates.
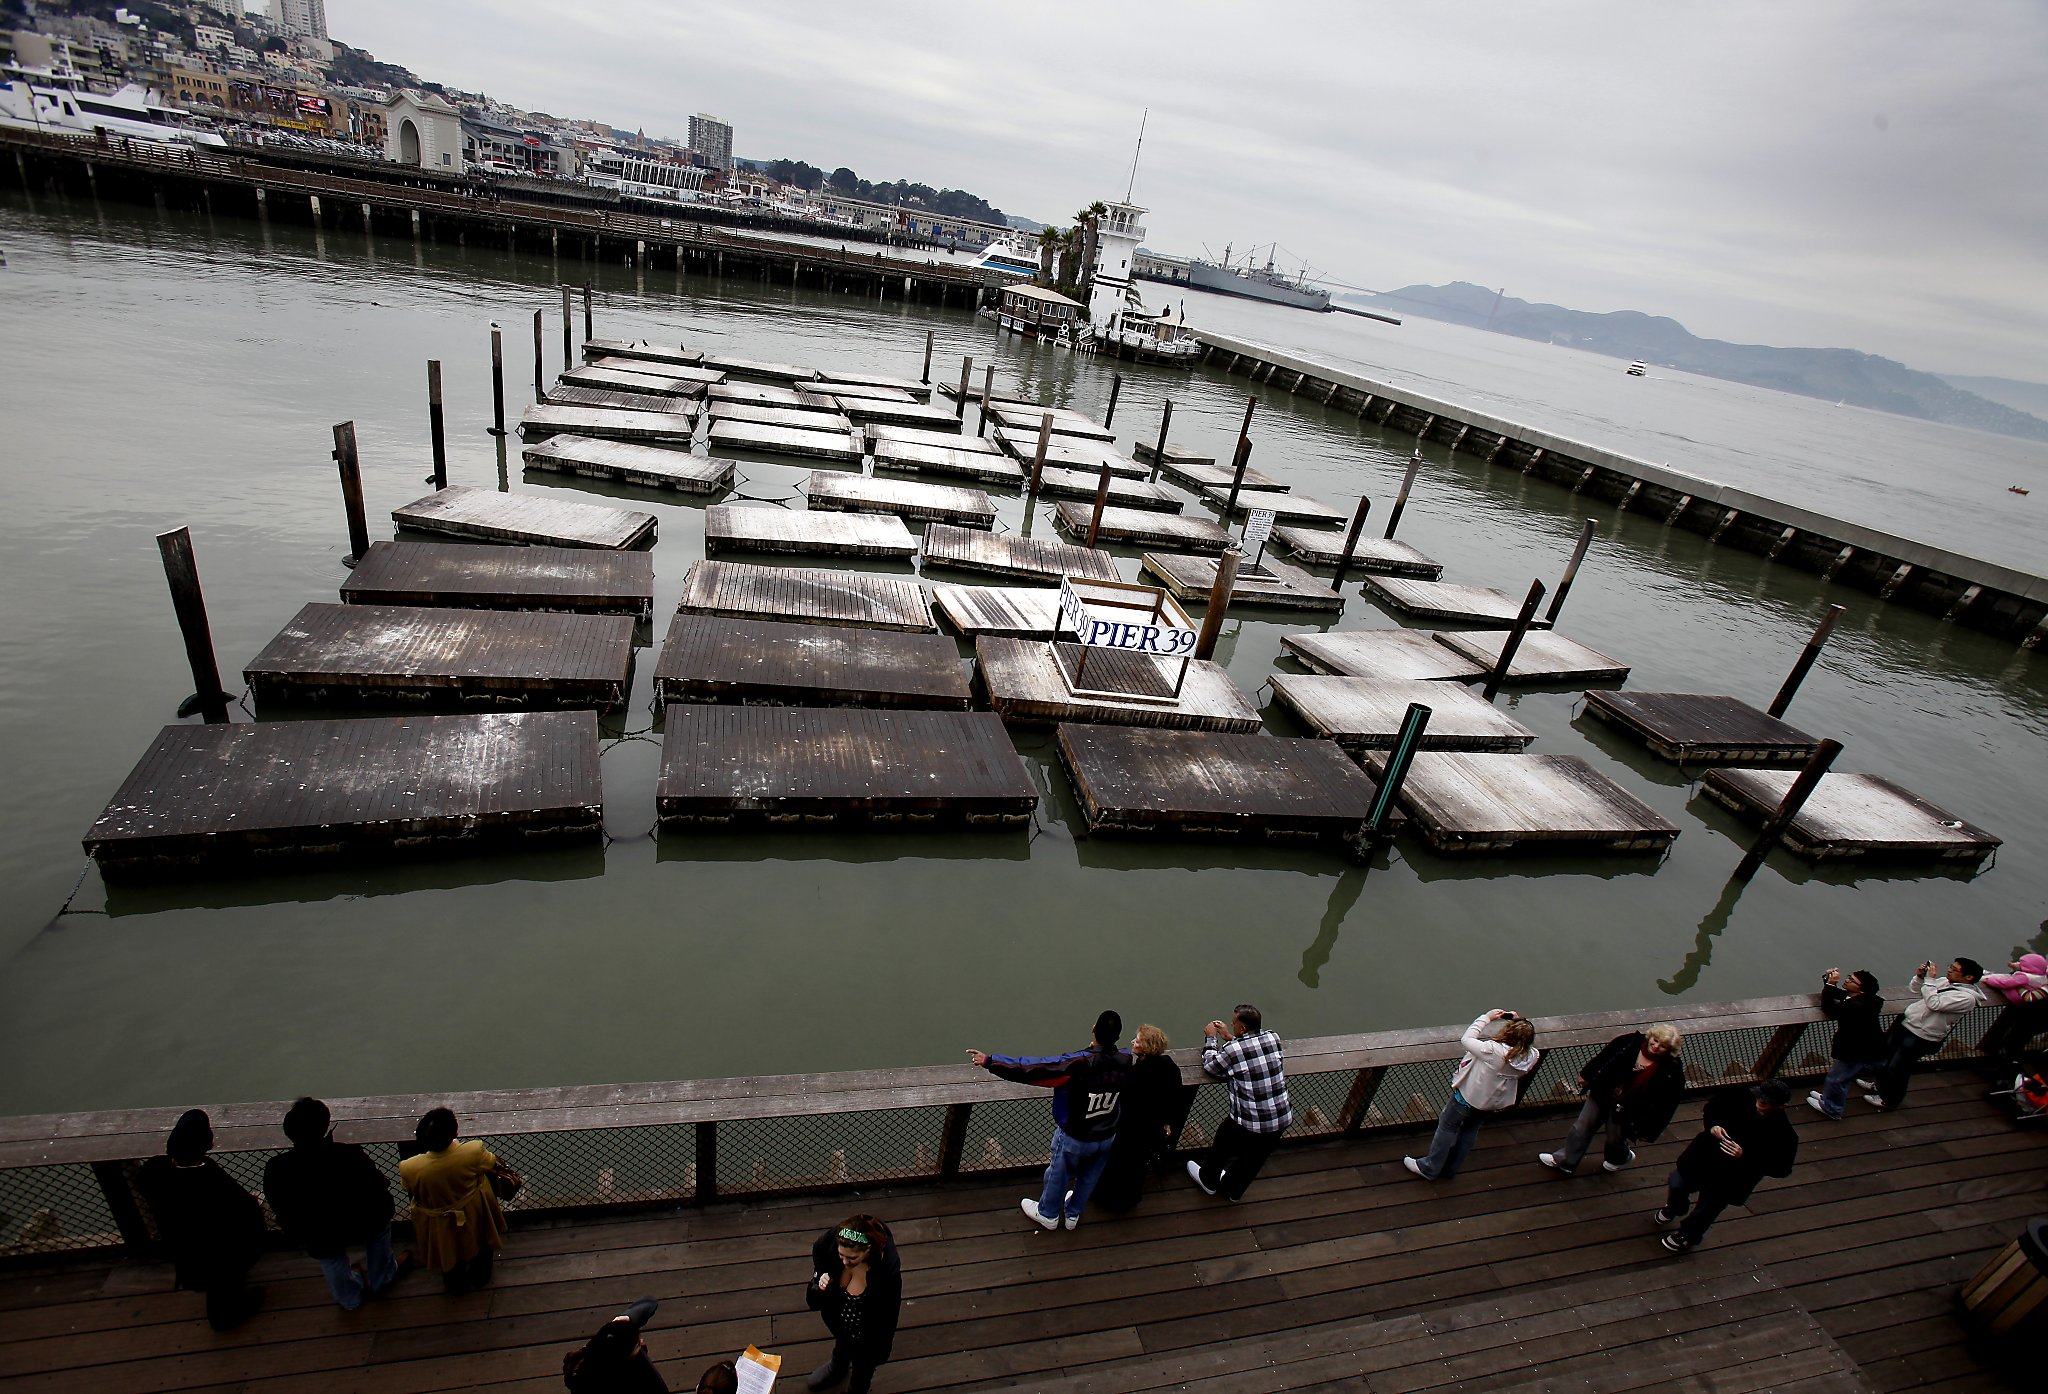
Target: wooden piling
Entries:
(181, 569)
(1237, 467)
(540, 368)
(587, 335)
(1116, 385)
(925, 377)
(966, 376)
(1795, 799)
(1499, 674)
(436, 423)
(1350, 541)
(568, 334)
(1401, 499)
(1807, 656)
(1101, 498)
(497, 381)
(1244, 432)
(988, 387)
(1571, 571)
(1406, 743)
(1159, 450)
(351, 490)
(1219, 602)
(1038, 456)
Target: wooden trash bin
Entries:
(2009, 1295)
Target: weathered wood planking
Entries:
(1285, 507)
(914, 457)
(273, 791)
(1271, 582)
(1544, 657)
(461, 511)
(1008, 554)
(663, 371)
(709, 659)
(948, 439)
(650, 466)
(1202, 475)
(570, 395)
(914, 414)
(409, 655)
(906, 499)
(861, 391)
(1468, 803)
(1024, 416)
(1176, 454)
(1140, 528)
(1069, 452)
(763, 395)
(1852, 816)
(1378, 556)
(784, 440)
(1366, 714)
(794, 766)
(463, 575)
(1481, 607)
(738, 590)
(595, 350)
(1384, 655)
(1016, 612)
(910, 387)
(1123, 492)
(759, 369)
(547, 419)
(1213, 784)
(759, 527)
(795, 418)
(1024, 684)
(630, 381)
(1691, 728)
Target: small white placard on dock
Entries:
(1258, 525)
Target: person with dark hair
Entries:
(1856, 1006)
(1155, 1110)
(857, 1287)
(213, 1228)
(722, 1378)
(1924, 1025)
(1744, 1137)
(1500, 1054)
(1088, 1088)
(1632, 1088)
(328, 1195)
(1251, 1063)
(457, 1224)
(615, 1360)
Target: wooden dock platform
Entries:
(762, 527)
(633, 383)
(1023, 682)
(649, 466)
(1853, 816)
(1376, 556)
(1383, 655)
(1069, 452)
(763, 662)
(762, 395)
(1061, 483)
(1026, 416)
(641, 351)
(805, 766)
(570, 395)
(461, 511)
(457, 575)
(861, 391)
(1203, 475)
(759, 369)
(1481, 607)
(906, 499)
(1285, 507)
(210, 798)
(1139, 527)
(547, 419)
(852, 599)
(332, 655)
(688, 373)
(1544, 657)
(942, 438)
(892, 413)
(910, 387)
(919, 457)
(1366, 714)
(1013, 555)
(1015, 612)
(1690, 728)
(1176, 454)
(728, 434)
(792, 418)
(1208, 784)
(1472, 804)
(1272, 582)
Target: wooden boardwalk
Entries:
(708, 659)
(461, 511)
(650, 466)
(738, 590)
(1853, 816)
(1338, 1271)
(760, 527)
(466, 575)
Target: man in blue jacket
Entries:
(1087, 1100)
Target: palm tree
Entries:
(1048, 243)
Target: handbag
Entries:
(505, 1181)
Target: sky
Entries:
(1868, 175)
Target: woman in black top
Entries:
(213, 1228)
(857, 1287)
(1857, 1008)
(1155, 1107)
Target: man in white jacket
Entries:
(1499, 1054)
(1943, 1002)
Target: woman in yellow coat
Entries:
(457, 1223)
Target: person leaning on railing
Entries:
(213, 1227)
(1632, 1088)
(1856, 1006)
(1250, 1061)
(1925, 1024)
(457, 1223)
(1498, 1058)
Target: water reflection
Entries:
(320, 882)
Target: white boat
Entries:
(1146, 339)
(1012, 255)
(57, 102)
(1638, 369)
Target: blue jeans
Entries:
(381, 1270)
(1456, 1130)
(1903, 1051)
(1076, 1167)
(1678, 1201)
(1834, 1090)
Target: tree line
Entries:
(947, 203)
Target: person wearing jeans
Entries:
(1087, 1101)
(1498, 1058)
(1855, 1006)
(328, 1195)
(1925, 1025)
(1631, 1088)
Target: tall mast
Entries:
(1131, 187)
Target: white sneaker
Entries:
(1877, 1099)
(1550, 1160)
(1071, 1221)
(1869, 1084)
(1195, 1175)
(1030, 1207)
(1413, 1166)
(1813, 1102)
(1616, 1166)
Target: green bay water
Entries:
(160, 371)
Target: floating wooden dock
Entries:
(1376, 556)
(1069, 452)
(1009, 554)
(916, 457)
(1210, 784)
(794, 418)
(634, 383)
(650, 466)
(1285, 507)
(1481, 607)
(759, 369)
(784, 440)
(1383, 655)
(910, 387)
(1022, 417)
(766, 396)
(1015, 612)
(1366, 713)
(1123, 492)
(1024, 683)
(460, 511)
(1176, 454)
(853, 599)
(707, 659)
(915, 414)
(1272, 582)
(1690, 728)
(1544, 657)
(269, 792)
(906, 499)
(947, 439)
(1140, 528)
(641, 351)
(460, 575)
(410, 655)
(1468, 804)
(570, 395)
(662, 371)
(547, 419)
(1852, 816)
(762, 527)
(1206, 474)
(862, 391)
(802, 766)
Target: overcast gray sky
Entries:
(1859, 175)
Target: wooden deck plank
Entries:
(639, 350)
(634, 382)
(1366, 714)
(1142, 528)
(913, 389)
(1026, 416)
(794, 418)
(1852, 816)
(1285, 507)
(1377, 556)
(1175, 454)
(1183, 783)
(1545, 656)
(1481, 607)
(762, 395)
(758, 527)
(568, 394)
(946, 438)
(452, 574)
(853, 599)
(1015, 612)
(905, 499)
(1700, 729)
(1013, 555)
(1055, 482)
(1483, 803)
(1069, 452)
(1204, 475)
(707, 659)
(546, 419)
(891, 413)
(918, 457)
(650, 466)
(1271, 582)
(659, 370)
(761, 369)
(729, 434)
(462, 511)
(860, 391)
(1384, 655)
(1024, 683)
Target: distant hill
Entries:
(1841, 375)
(2020, 396)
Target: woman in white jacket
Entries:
(1487, 1080)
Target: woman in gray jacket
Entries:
(1500, 1051)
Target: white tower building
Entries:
(1117, 235)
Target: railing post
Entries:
(707, 1162)
(540, 367)
(1038, 456)
(122, 1205)
(1219, 602)
(953, 1142)
(1364, 1085)
(966, 376)
(926, 376)
(568, 333)
(497, 381)
(586, 317)
(1778, 1049)
(1101, 500)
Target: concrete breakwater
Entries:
(1979, 594)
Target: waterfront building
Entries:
(712, 139)
(422, 129)
(643, 175)
(1156, 266)
(198, 86)
(300, 19)
(1118, 232)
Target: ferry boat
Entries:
(1143, 338)
(57, 102)
(1253, 282)
(1011, 255)
(1638, 369)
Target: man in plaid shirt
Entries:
(1247, 1058)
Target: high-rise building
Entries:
(300, 19)
(712, 139)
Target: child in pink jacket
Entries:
(2025, 993)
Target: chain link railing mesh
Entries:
(599, 1166)
(757, 1156)
(46, 1210)
(1008, 1133)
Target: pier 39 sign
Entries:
(1094, 631)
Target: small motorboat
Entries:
(2016, 489)
(1638, 369)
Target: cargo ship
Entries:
(1257, 282)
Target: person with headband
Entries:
(857, 1287)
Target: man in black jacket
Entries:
(328, 1195)
(1745, 1136)
(1855, 1004)
(1631, 1088)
